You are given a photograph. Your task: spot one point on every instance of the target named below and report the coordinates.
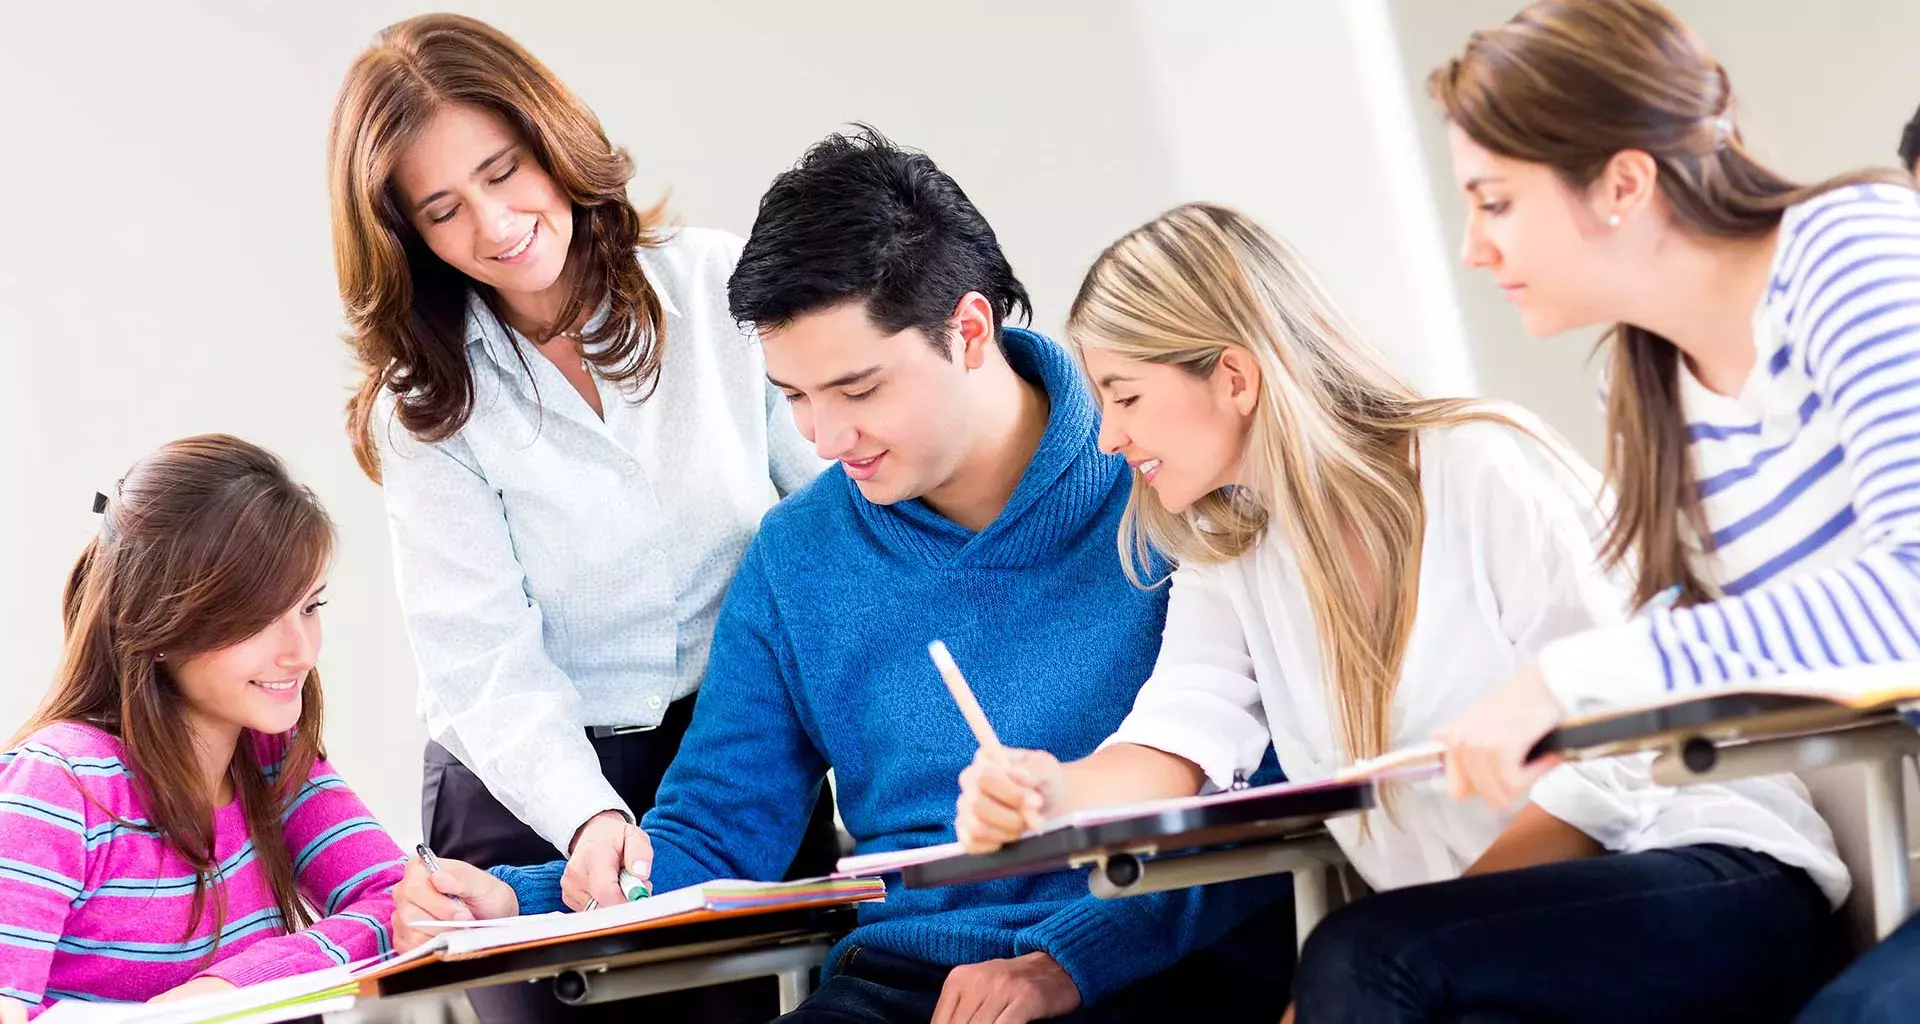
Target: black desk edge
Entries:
(1167, 831)
(1708, 712)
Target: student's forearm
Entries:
(1127, 773)
(1534, 837)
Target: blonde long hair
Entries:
(1334, 445)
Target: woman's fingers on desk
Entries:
(1000, 797)
(457, 892)
(1032, 784)
(1487, 746)
(978, 830)
(1022, 802)
(475, 891)
(431, 896)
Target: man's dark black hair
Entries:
(1910, 144)
(859, 218)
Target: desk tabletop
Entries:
(626, 949)
(1161, 833)
(1717, 717)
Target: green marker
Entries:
(633, 886)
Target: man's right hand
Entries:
(602, 847)
(457, 892)
(1005, 793)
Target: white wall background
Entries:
(168, 269)
(1821, 88)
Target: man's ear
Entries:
(971, 331)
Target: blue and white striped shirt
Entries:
(1809, 477)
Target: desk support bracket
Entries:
(1883, 746)
(791, 964)
(1306, 857)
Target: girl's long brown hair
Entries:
(204, 543)
(1568, 84)
(406, 310)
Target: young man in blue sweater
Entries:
(970, 504)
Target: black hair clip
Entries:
(99, 503)
(1910, 143)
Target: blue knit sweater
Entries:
(820, 660)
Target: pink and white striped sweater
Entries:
(95, 907)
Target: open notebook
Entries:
(725, 898)
(1410, 764)
(304, 995)
(713, 899)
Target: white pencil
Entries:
(963, 696)
(1405, 757)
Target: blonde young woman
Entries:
(1356, 565)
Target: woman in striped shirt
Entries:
(1764, 397)
(168, 824)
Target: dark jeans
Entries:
(461, 819)
(1241, 979)
(1881, 987)
(1695, 934)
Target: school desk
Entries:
(1734, 735)
(1176, 844)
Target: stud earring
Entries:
(1613, 220)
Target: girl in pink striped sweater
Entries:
(168, 823)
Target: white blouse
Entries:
(1507, 565)
(559, 571)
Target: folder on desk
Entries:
(725, 898)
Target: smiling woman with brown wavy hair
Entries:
(575, 439)
(407, 266)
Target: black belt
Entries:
(601, 732)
